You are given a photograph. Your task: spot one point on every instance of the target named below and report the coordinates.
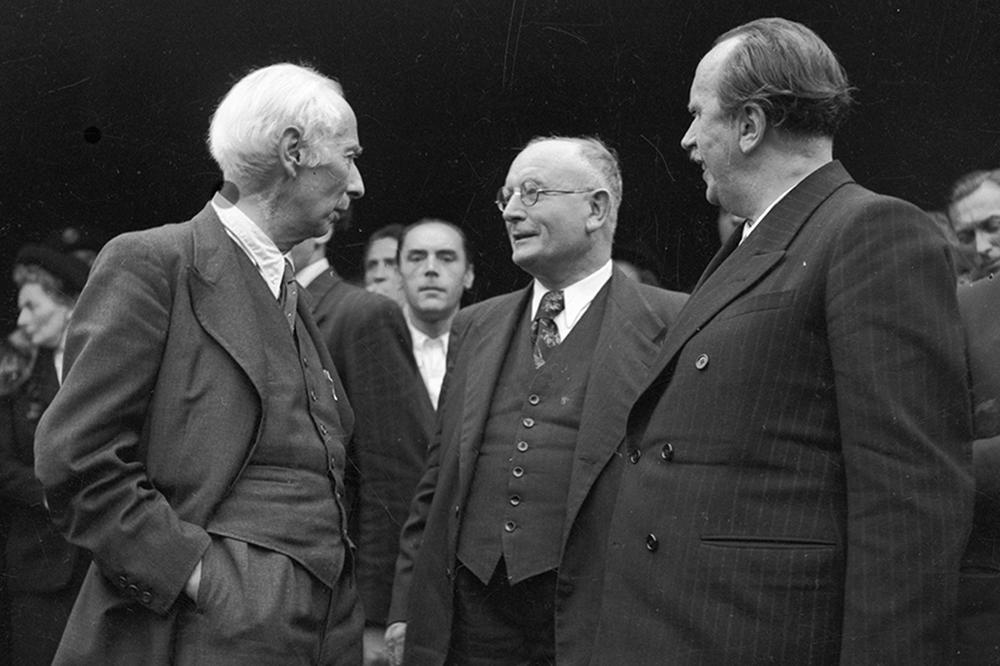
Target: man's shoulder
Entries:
(484, 310)
(169, 238)
(337, 296)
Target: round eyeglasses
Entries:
(529, 191)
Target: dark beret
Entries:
(72, 271)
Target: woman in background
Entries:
(42, 571)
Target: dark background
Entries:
(106, 104)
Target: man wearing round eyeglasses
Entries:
(501, 552)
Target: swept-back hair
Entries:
(785, 67)
(250, 120)
(970, 182)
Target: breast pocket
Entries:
(758, 303)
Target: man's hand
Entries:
(395, 637)
(193, 583)
(375, 653)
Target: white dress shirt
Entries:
(261, 250)
(430, 354)
(577, 297)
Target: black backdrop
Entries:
(106, 105)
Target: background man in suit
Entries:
(800, 491)
(497, 561)
(974, 212)
(393, 421)
(197, 443)
(979, 583)
(436, 269)
(380, 263)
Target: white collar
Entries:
(261, 250)
(312, 271)
(752, 224)
(577, 297)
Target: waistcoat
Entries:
(517, 502)
(288, 497)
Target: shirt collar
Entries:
(576, 297)
(419, 337)
(250, 238)
(752, 224)
(312, 271)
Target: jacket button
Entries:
(515, 500)
(528, 422)
(312, 395)
(509, 526)
(458, 509)
(701, 362)
(667, 452)
(146, 597)
(634, 455)
(652, 543)
(518, 472)
(122, 582)
(533, 399)
(522, 446)
(132, 591)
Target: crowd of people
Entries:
(216, 450)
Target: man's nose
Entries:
(355, 184)
(984, 242)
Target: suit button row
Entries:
(518, 472)
(509, 526)
(528, 422)
(515, 500)
(522, 446)
(534, 399)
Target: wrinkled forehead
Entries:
(547, 162)
(980, 204)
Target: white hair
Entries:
(250, 120)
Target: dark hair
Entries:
(970, 182)
(466, 246)
(785, 67)
(388, 231)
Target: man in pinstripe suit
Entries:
(798, 488)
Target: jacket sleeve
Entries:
(89, 447)
(901, 386)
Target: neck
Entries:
(784, 164)
(432, 329)
(260, 207)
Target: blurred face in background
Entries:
(381, 274)
(43, 317)
(976, 218)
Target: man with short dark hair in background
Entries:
(500, 559)
(197, 444)
(799, 486)
(436, 269)
(393, 422)
(974, 212)
(379, 262)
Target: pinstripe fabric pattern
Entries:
(802, 493)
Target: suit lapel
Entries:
(735, 274)
(626, 348)
(218, 297)
(491, 339)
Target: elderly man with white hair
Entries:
(197, 445)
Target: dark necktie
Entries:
(544, 334)
(289, 294)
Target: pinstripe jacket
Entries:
(801, 489)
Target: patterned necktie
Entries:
(544, 334)
(289, 294)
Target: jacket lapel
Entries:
(735, 274)
(218, 297)
(626, 348)
(492, 339)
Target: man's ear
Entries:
(752, 125)
(600, 209)
(469, 277)
(290, 151)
